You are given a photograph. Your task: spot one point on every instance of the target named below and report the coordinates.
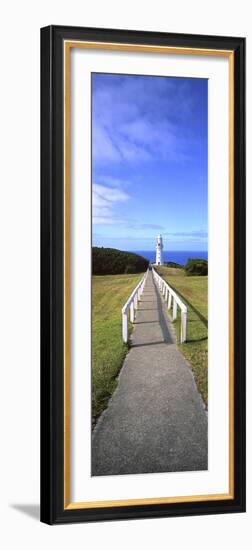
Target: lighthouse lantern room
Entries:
(159, 249)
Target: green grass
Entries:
(194, 293)
(109, 293)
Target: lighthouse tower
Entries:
(159, 248)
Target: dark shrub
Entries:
(196, 267)
(109, 261)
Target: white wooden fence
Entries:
(131, 306)
(169, 297)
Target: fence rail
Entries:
(173, 301)
(131, 306)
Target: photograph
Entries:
(149, 274)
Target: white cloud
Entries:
(103, 146)
(110, 181)
(106, 220)
(104, 201)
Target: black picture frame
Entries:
(52, 295)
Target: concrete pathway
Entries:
(155, 420)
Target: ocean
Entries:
(177, 256)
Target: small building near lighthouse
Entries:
(159, 250)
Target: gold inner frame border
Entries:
(68, 45)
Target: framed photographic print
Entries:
(142, 274)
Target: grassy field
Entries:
(109, 293)
(194, 292)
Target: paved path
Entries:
(155, 420)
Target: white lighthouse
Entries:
(159, 248)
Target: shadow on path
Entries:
(163, 320)
(147, 344)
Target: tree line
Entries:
(110, 261)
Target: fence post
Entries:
(174, 312)
(135, 301)
(183, 326)
(166, 293)
(132, 312)
(169, 300)
(125, 327)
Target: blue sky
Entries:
(149, 162)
